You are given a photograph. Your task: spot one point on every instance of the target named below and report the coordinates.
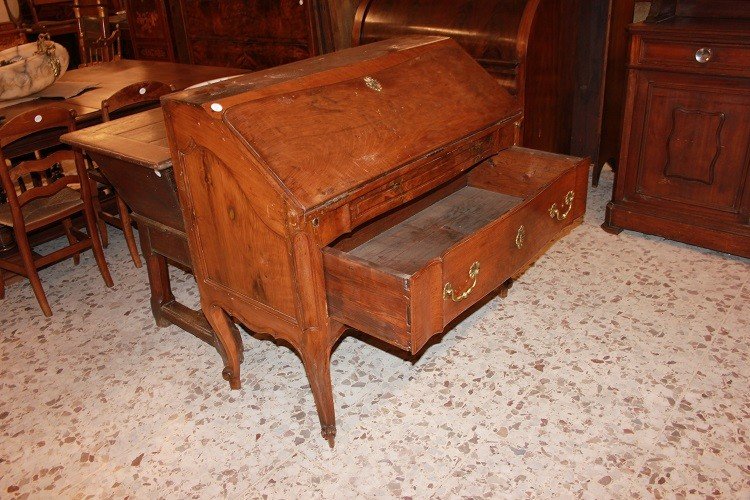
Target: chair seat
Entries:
(66, 200)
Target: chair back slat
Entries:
(137, 97)
(47, 190)
(42, 164)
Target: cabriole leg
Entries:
(230, 343)
(316, 356)
(317, 360)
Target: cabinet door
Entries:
(253, 34)
(690, 145)
(150, 31)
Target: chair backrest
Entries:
(10, 38)
(134, 98)
(44, 120)
(96, 42)
(47, 10)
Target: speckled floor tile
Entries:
(618, 367)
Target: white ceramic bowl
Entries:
(31, 71)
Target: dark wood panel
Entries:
(615, 85)
(233, 33)
(550, 76)
(274, 19)
(590, 75)
(693, 147)
(234, 53)
(727, 9)
(150, 30)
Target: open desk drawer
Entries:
(406, 283)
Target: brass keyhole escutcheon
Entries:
(450, 293)
(520, 236)
(373, 84)
(555, 213)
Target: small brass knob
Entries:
(703, 55)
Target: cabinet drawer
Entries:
(695, 56)
(405, 284)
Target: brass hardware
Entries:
(555, 213)
(703, 55)
(373, 84)
(520, 235)
(450, 293)
(45, 46)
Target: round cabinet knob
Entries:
(703, 55)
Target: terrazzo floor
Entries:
(616, 368)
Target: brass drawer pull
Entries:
(555, 213)
(450, 293)
(703, 55)
(520, 235)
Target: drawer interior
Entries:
(442, 217)
(410, 245)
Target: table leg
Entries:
(158, 278)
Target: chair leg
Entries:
(31, 272)
(97, 204)
(68, 226)
(127, 229)
(2, 284)
(96, 245)
(100, 223)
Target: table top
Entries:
(140, 139)
(112, 76)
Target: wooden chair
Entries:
(46, 204)
(11, 37)
(133, 98)
(43, 16)
(97, 43)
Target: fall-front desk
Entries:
(379, 188)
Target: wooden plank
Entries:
(410, 245)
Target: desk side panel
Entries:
(235, 220)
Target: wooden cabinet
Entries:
(685, 160)
(252, 34)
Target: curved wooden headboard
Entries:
(495, 32)
(529, 46)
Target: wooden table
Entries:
(134, 155)
(112, 76)
(109, 78)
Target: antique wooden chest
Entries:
(377, 188)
